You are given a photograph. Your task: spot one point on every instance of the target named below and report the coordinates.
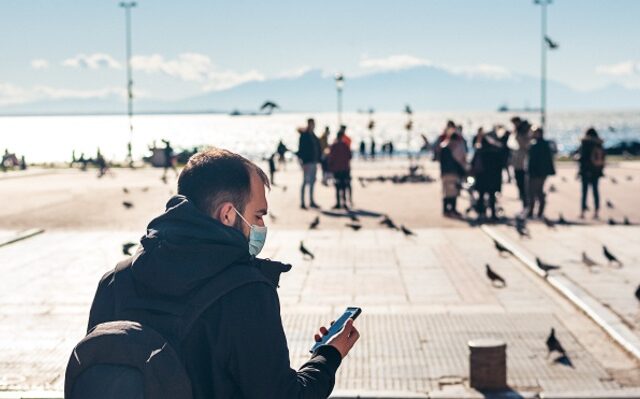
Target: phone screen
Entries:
(350, 313)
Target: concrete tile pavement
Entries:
(423, 298)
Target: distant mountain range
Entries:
(424, 87)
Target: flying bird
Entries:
(406, 231)
(588, 261)
(354, 226)
(269, 106)
(408, 110)
(552, 45)
(546, 267)
(609, 204)
(126, 248)
(127, 204)
(501, 248)
(314, 224)
(610, 257)
(553, 345)
(495, 277)
(125, 190)
(305, 252)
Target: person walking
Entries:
(453, 167)
(309, 155)
(204, 245)
(486, 167)
(591, 158)
(338, 161)
(540, 166)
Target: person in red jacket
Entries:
(339, 162)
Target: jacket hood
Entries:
(183, 248)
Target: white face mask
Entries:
(257, 236)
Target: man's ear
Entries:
(226, 214)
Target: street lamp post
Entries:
(543, 62)
(127, 9)
(339, 86)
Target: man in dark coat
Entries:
(237, 347)
(310, 154)
(540, 166)
(487, 165)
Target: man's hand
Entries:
(344, 340)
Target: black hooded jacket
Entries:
(237, 347)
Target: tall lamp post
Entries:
(544, 41)
(127, 9)
(339, 86)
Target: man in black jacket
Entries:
(309, 153)
(237, 347)
(540, 166)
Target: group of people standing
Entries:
(525, 150)
(334, 159)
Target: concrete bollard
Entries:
(487, 364)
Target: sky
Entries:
(76, 49)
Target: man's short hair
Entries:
(215, 176)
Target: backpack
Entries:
(137, 356)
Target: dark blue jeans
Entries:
(593, 182)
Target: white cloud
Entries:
(194, 67)
(11, 94)
(626, 68)
(294, 73)
(39, 64)
(92, 61)
(480, 70)
(393, 62)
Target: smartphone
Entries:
(350, 313)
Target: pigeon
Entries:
(406, 231)
(494, 277)
(552, 189)
(550, 224)
(305, 252)
(354, 226)
(553, 345)
(626, 221)
(127, 204)
(388, 222)
(562, 220)
(545, 266)
(552, 45)
(126, 248)
(638, 293)
(145, 189)
(613, 180)
(125, 190)
(521, 228)
(501, 248)
(588, 261)
(609, 204)
(314, 224)
(610, 257)
(612, 222)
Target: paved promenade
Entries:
(423, 297)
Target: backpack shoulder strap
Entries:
(229, 280)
